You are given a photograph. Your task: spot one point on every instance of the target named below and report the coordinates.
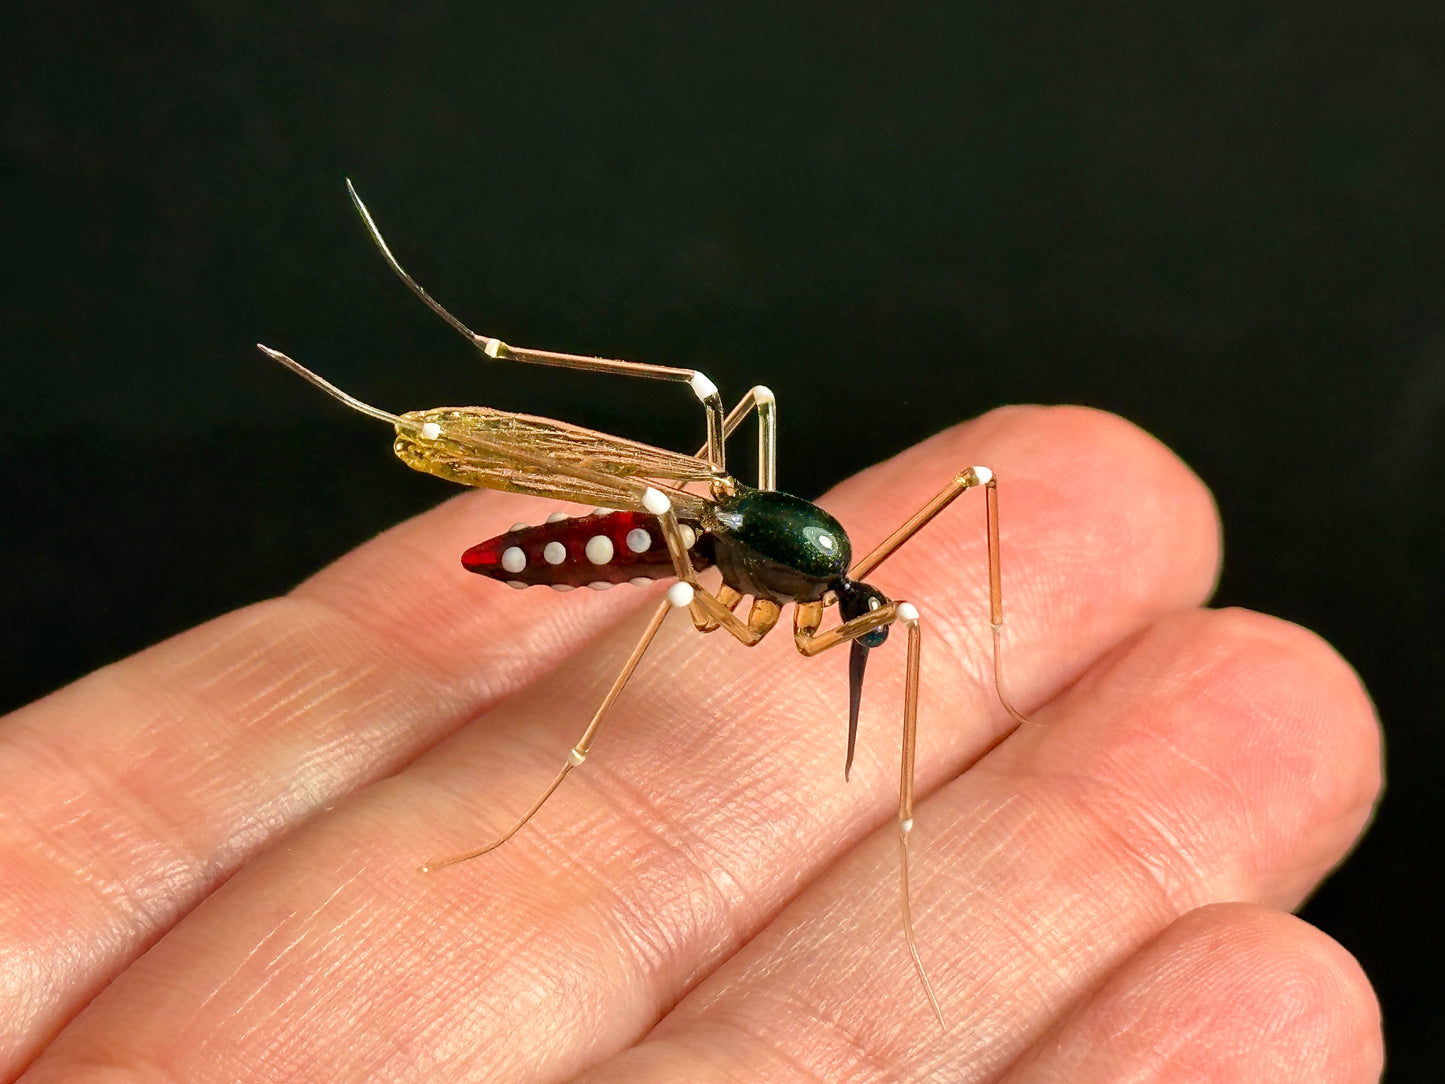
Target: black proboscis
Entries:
(857, 660)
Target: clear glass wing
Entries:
(522, 453)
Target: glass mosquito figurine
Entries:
(666, 515)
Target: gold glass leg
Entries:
(708, 610)
(729, 598)
(578, 753)
(964, 480)
(995, 596)
(705, 390)
(763, 401)
(908, 615)
(810, 642)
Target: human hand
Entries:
(217, 840)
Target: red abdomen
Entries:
(594, 551)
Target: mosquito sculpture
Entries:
(668, 515)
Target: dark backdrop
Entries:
(1221, 222)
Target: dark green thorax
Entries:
(777, 546)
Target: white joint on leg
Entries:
(655, 501)
(905, 825)
(680, 594)
(701, 386)
(983, 474)
(430, 430)
(493, 348)
(575, 757)
(764, 396)
(907, 613)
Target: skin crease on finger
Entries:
(1227, 994)
(1108, 531)
(132, 793)
(1217, 756)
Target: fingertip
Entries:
(1227, 991)
(1247, 735)
(1303, 728)
(1291, 707)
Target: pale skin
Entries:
(208, 852)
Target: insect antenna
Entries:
(332, 390)
(411, 283)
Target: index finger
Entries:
(130, 794)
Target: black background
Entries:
(1225, 223)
